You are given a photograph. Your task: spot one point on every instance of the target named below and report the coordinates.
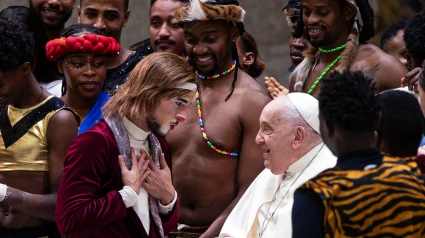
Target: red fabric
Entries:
(88, 203)
(58, 48)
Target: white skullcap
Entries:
(308, 107)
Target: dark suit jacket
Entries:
(88, 203)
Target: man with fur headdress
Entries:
(215, 158)
(338, 31)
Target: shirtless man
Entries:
(36, 130)
(209, 182)
(332, 27)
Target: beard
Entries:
(49, 27)
(192, 61)
(155, 127)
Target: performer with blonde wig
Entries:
(133, 196)
(338, 31)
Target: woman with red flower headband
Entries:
(81, 53)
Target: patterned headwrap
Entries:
(90, 43)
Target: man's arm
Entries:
(307, 214)
(251, 161)
(61, 130)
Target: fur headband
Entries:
(205, 10)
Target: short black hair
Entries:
(347, 101)
(402, 123)
(126, 3)
(183, 1)
(80, 28)
(414, 36)
(391, 31)
(16, 45)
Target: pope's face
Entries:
(275, 138)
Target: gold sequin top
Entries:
(31, 151)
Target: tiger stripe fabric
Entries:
(387, 201)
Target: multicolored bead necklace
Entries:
(204, 134)
(327, 68)
(227, 71)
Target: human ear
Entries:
(299, 138)
(26, 68)
(126, 17)
(349, 13)
(248, 58)
(60, 67)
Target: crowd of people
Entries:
(174, 136)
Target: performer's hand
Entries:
(274, 88)
(158, 183)
(134, 177)
(412, 79)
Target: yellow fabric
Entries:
(373, 203)
(31, 151)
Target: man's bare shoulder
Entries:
(250, 91)
(385, 69)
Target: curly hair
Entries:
(367, 30)
(76, 29)
(402, 123)
(16, 45)
(391, 31)
(347, 100)
(414, 36)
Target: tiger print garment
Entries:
(387, 201)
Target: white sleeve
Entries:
(168, 208)
(129, 196)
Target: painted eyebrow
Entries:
(182, 100)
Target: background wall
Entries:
(264, 20)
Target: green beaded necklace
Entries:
(327, 68)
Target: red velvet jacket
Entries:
(88, 203)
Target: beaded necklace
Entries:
(327, 68)
(204, 134)
(227, 71)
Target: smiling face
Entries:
(397, 48)
(85, 74)
(110, 16)
(164, 35)
(168, 114)
(276, 137)
(325, 21)
(209, 45)
(53, 14)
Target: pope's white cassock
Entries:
(248, 218)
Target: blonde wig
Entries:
(158, 76)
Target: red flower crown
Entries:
(90, 43)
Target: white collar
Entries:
(302, 163)
(135, 132)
